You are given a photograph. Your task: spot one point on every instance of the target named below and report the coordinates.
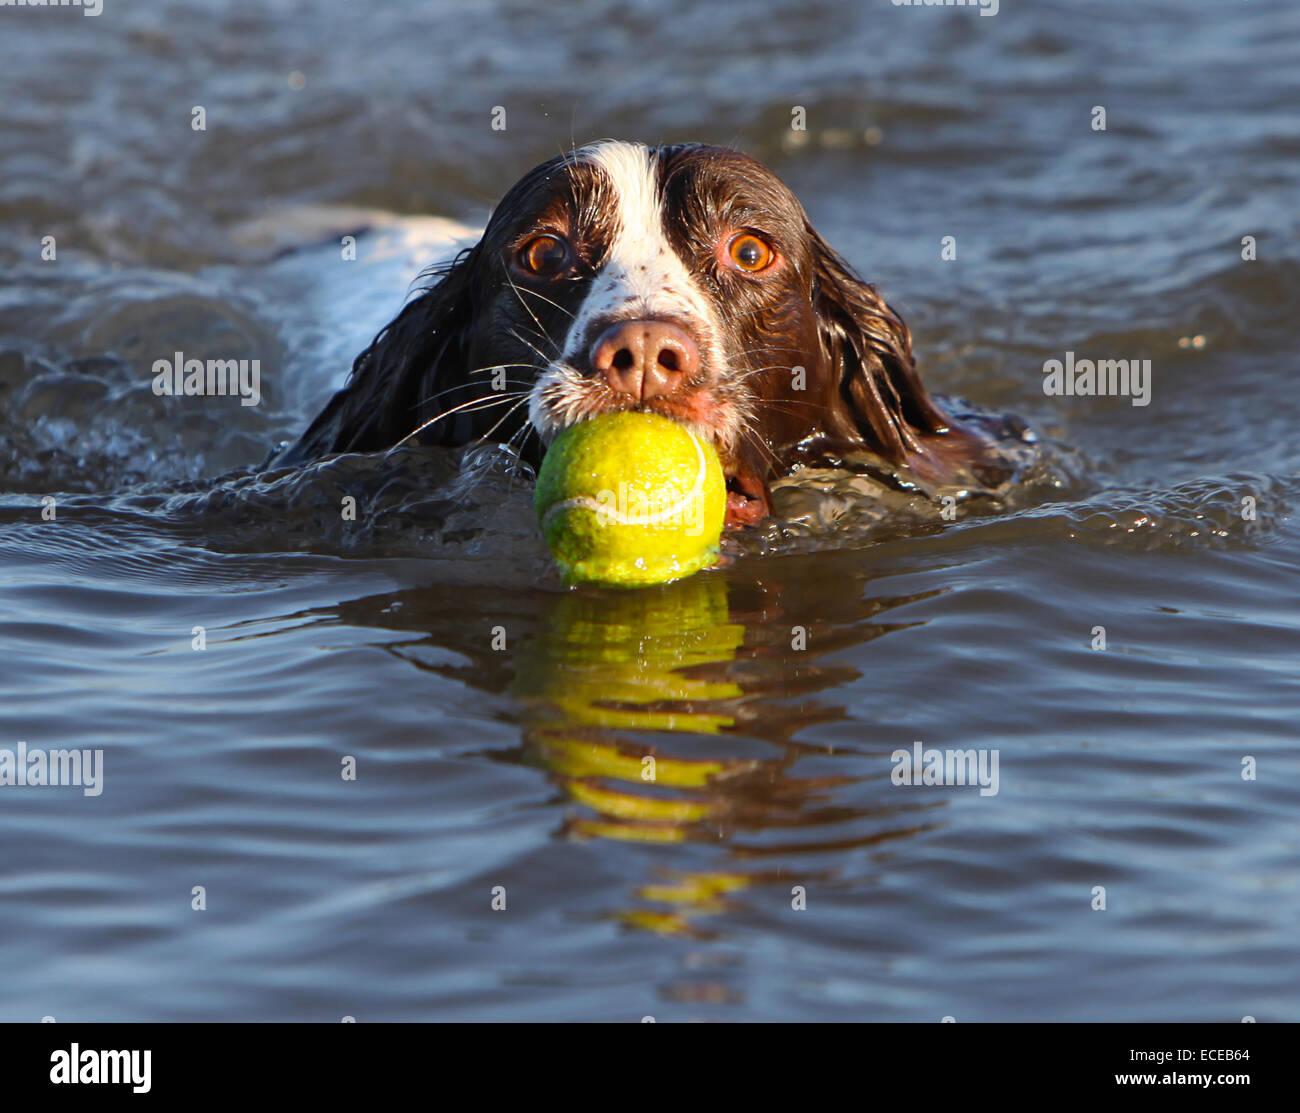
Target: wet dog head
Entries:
(684, 280)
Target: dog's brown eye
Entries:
(750, 253)
(544, 255)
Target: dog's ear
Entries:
(881, 400)
(414, 369)
(880, 389)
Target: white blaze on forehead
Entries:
(631, 172)
(642, 275)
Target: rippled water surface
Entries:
(501, 727)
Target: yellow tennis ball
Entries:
(630, 499)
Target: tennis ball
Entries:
(630, 499)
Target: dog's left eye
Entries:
(750, 253)
(544, 256)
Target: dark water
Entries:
(500, 726)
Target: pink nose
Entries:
(645, 359)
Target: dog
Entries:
(684, 280)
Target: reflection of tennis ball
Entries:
(630, 499)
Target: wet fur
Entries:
(862, 389)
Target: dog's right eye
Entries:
(544, 256)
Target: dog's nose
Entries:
(645, 359)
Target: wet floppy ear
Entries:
(883, 400)
(410, 372)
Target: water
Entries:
(499, 725)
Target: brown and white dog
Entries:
(684, 280)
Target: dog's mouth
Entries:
(746, 501)
(694, 408)
(747, 497)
